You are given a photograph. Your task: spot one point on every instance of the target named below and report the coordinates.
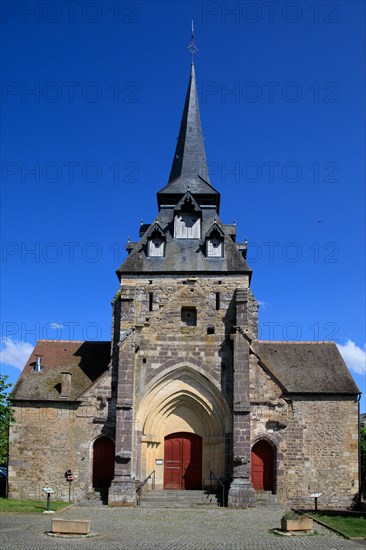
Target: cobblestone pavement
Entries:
(163, 529)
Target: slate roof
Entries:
(189, 168)
(189, 176)
(86, 361)
(184, 255)
(307, 367)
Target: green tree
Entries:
(6, 416)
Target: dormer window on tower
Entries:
(187, 219)
(215, 242)
(156, 242)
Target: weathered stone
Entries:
(70, 526)
(185, 360)
(298, 524)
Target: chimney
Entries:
(65, 384)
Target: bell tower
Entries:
(183, 319)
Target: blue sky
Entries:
(92, 97)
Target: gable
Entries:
(85, 361)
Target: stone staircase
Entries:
(96, 497)
(266, 499)
(178, 499)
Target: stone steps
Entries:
(266, 499)
(98, 497)
(177, 499)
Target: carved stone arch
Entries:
(272, 439)
(182, 399)
(98, 436)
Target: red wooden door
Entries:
(262, 466)
(183, 461)
(103, 462)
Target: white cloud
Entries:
(15, 353)
(56, 325)
(263, 304)
(354, 356)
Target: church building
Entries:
(185, 393)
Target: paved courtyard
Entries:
(140, 528)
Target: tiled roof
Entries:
(300, 368)
(307, 367)
(86, 361)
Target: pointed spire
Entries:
(190, 158)
(189, 169)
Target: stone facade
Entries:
(171, 362)
(48, 438)
(185, 389)
(314, 439)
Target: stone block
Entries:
(298, 524)
(241, 494)
(71, 526)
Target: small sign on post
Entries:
(48, 491)
(316, 496)
(70, 478)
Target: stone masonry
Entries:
(185, 393)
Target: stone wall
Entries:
(48, 438)
(203, 378)
(315, 442)
(167, 355)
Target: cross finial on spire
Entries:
(191, 46)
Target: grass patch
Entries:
(29, 506)
(349, 525)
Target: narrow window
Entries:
(217, 300)
(189, 316)
(151, 299)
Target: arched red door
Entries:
(103, 462)
(183, 461)
(262, 466)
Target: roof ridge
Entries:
(296, 342)
(76, 341)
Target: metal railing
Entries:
(223, 488)
(138, 490)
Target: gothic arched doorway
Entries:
(182, 400)
(183, 461)
(103, 462)
(262, 465)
